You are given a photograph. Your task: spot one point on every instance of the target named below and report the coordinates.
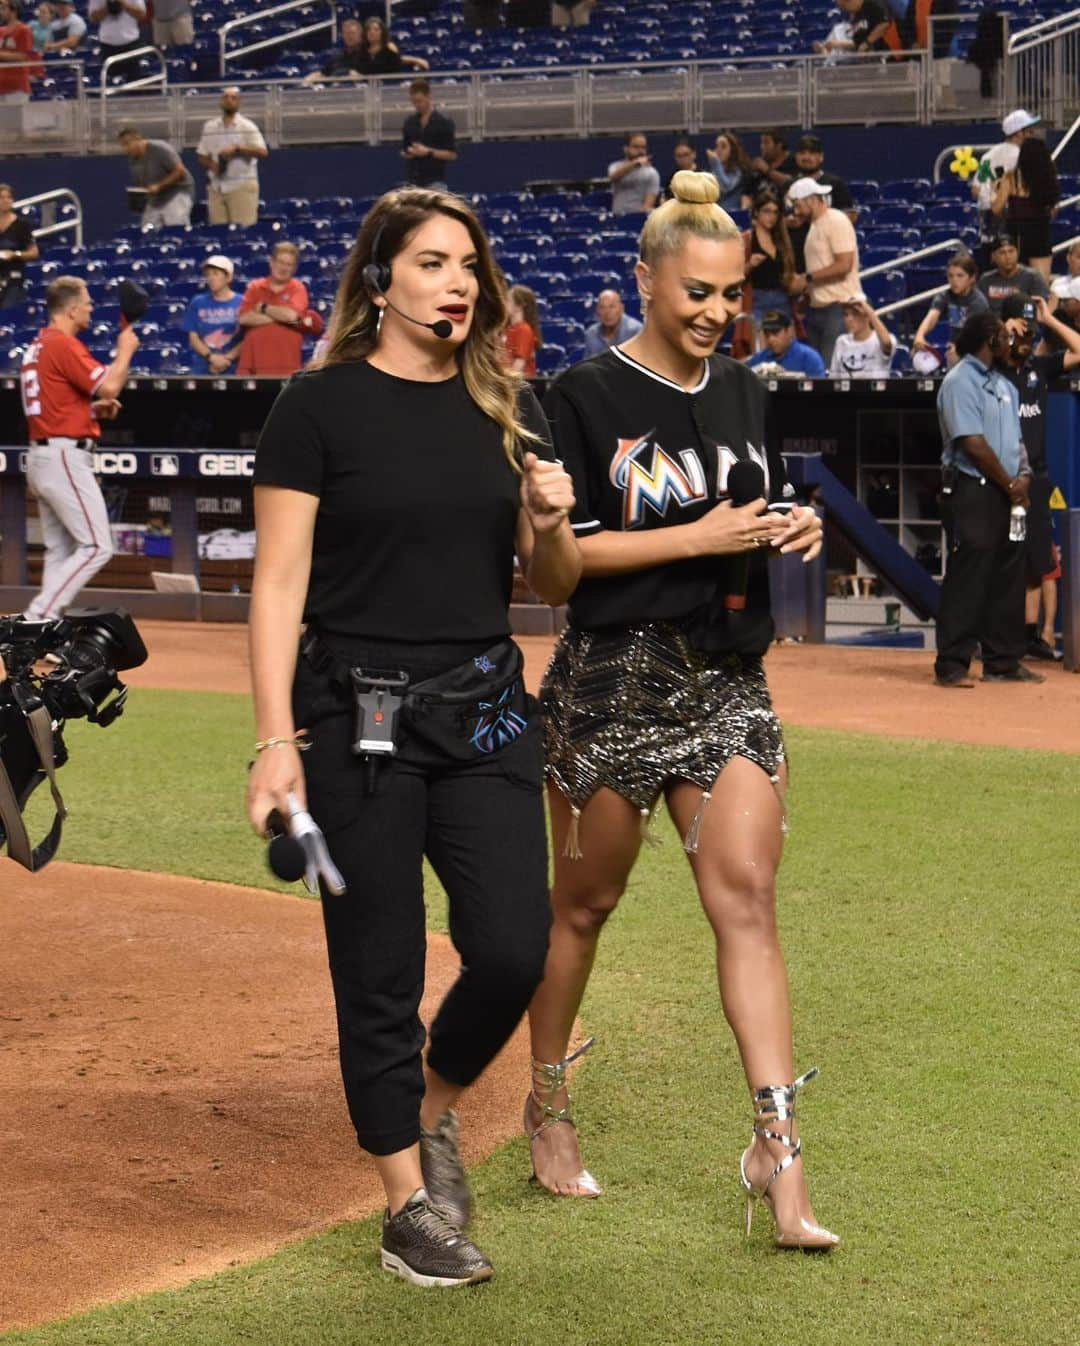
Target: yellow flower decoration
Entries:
(964, 163)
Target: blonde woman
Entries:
(657, 687)
(394, 483)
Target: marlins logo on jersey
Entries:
(649, 476)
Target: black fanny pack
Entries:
(471, 711)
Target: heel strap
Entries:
(548, 1077)
(776, 1103)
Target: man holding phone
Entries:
(635, 183)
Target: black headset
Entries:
(376, 275)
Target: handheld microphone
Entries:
(298, 850)
(373, 279)
(746, 482)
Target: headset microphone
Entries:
(376, 276)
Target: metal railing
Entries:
(1044, 67)
(75, 222)
(160, 76)
(905, 259)
(259, 16)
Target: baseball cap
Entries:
(1019, 120)
(1000, 240)
(222, 264)
(1018, 306)
(812, 143)
(1066, 287)
(801, 188)
(774, 320)
(927, 361)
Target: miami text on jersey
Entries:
(648, 475)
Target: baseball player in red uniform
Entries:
(65, 394)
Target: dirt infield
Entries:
(170, 1101)
(823, 686)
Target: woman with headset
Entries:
(657, 686)
(394, 483)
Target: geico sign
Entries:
(116, 464)
(226, 464)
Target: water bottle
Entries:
(1017, 523)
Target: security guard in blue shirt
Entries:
(985, 475)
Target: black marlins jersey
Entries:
(645, 453)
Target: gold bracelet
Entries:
(299, 741)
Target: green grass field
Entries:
(928, 918)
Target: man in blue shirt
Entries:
(210, 320)
(613, 324)
(985, 487)
(781, 348)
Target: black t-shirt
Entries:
(645, 453)
(348, 58)
(841, 196)
(1030, 382)
(386, 61)
(873, 13)
(438, 134)
(17, 237)
(418, 506)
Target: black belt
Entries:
(76, 444)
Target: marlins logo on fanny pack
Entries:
(649, 476)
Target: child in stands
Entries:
(523, 331)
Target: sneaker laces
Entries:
(429, 1220)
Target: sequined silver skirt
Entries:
(635, 708)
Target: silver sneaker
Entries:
(419, 1244)
(444, 1176)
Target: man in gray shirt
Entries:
(635, 184)
(156, 168)
(1008, 276)
(173, 24)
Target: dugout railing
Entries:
(197, 484)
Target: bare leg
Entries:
(439, 1095)
(1049, 613)
(400, 1174)
(735, 871)
(585, 892)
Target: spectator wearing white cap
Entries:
(1000, 159)
(865, 349)
(832, 263)
(230, 148)
(211, 318)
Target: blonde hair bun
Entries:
(698, 189)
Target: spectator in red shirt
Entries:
(276, 318)
(16, 49)
(522, 335)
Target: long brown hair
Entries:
(785, 254)
(354, 323)
(739, 157)
(526, 301)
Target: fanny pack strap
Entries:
(440, 689)
(18, 841)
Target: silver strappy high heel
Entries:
(547, 1079)
(776, 1103)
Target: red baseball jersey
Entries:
(15, 78)
(59, 379)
